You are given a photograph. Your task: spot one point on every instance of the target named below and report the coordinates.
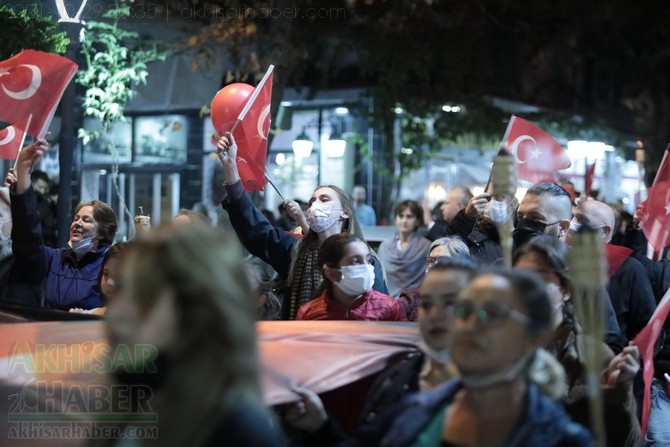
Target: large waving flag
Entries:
(32, 83)
(645, 341)
(655, 221)
(245, 112)
(538, 156)
(11, 140)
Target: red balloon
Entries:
(226, 107)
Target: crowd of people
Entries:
(502, 354)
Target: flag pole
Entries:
(23, 139)
(272, 183)
(253, 97)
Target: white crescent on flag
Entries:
(515, 146)
(9, 134)
(29, 91)
(261, 122)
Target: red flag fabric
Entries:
(32, 83)
(645, 341)
(538, 156)
(255, 126)
(11, 139)
(655, 220)
(588, 178)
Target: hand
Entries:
(477, 205)
(28, 156)
(296, 214)
(226, 149)
(308, 414)
(11, 178)
(624, 366)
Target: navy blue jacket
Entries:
(544, 422)
(69, 283)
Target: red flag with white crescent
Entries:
(11, 139)
(538, 156)
(32, 83)
(645, 340)
(655, 220)
(251, 158)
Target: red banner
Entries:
(588, 178)
(538, 156)
(32, 83)
(645, 341)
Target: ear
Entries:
(607, 230)
(565, 226)
(344, 216)
(332, 274)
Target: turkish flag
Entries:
(11, 139)
(655, 219)
(255, 126)
(538, 156)
(588, 178)
(645, 340)
(32, 83)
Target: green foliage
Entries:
(116, 63)
(28, 29)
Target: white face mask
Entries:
(3, 236)
(497, 211)
(83, 246)
(320, 217)
(574, 226)
(356, 279)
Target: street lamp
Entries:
(302, 145)
(336, 144)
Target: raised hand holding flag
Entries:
(538, 156)
(32, 83)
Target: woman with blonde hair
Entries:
(183, 292)
(294, 258)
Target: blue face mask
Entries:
(84, 246)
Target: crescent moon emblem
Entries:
(10, 134)
(261, 121)
(515, 146)
(35, 83)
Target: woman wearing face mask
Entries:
(72, 272)
(346, 291)
(499, 322)
(295, 260)
(547, 256)
(404, 256)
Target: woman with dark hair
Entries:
(184, 301)
(294, 259)
(547, 256)
(404, 256)
(346, 291)
(72, 272)
(500, 322)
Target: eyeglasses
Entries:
(489, 313)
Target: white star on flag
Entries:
(667, 209)
(535, 153)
